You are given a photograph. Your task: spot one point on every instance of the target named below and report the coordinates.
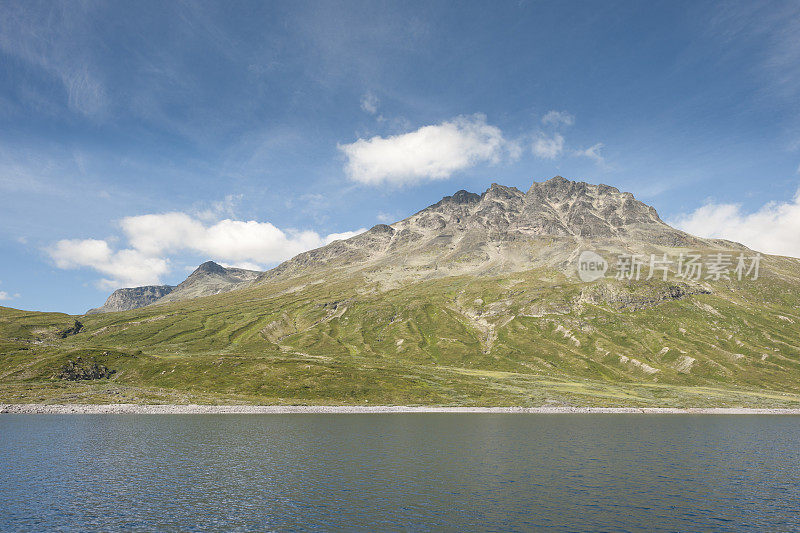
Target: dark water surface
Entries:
(458, 472)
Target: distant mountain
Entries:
(209, 278)
(132, 298)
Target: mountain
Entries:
(502, 230)
(209, 278)
(475, 300)
(132, 298)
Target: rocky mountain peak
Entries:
(210, 267)
(461, 197)
(501, 192)
(563, 207)
(209, 278)
(557, 206)
(502, 229)
(133, 298)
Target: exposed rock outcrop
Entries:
(132, 298)
(74, 329)
(209, 278)
(639, 295)
(501, 230)
(80, 369)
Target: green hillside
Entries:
(531, 338)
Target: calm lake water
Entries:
(458, 472)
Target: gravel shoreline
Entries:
(122, 408)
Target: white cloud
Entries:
(774, 228)
(593, 152)
(429, 153)
(556, 118)
(71, 253)
(548, 147)
(231, 240)
(343, 236)
(223, 208)
(126, 267)
(6, 296)
(369, 103)
(247, 265)
(153, 239)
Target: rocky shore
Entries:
(376, 409)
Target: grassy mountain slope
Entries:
(525, 338)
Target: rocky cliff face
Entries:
(557, 207)
(501, 230)
(132, 298)
(209, 278)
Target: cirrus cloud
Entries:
(593, 153)
(430, 153)
(369, 103)
(556, 118)
(548, 147)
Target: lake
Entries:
(422, 471)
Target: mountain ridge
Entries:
(207, 279)
(461, 233)
(501, 230)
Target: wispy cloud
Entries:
(555, 118)
(548, 147)
(593, 153)
(369, 103)
(551, 143)
(220, 209)
(55, 38)
(769, 30)
(40, 171)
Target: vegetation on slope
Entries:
(530, 338)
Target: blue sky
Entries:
(140, 139)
